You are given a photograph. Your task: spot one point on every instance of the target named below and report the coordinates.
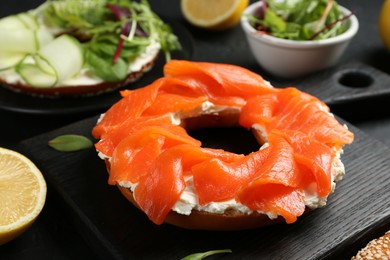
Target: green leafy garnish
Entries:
(113, 32)
(70, 143)
(300, 20)
(199, 256)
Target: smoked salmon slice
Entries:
(222, 79)
(131, 106)
(168, 102)
(299, 112)
(275, 187)
(129, 163)
(281, 200)
(160, 188)
(313, 155)
(163, 181)
(109, 141)
(218, 180)
(129, 147)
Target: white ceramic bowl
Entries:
(288, 58)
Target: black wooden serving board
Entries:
(346, 83)
(358, 211)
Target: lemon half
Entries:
(384, 24)
(215, 14)
(22, 194)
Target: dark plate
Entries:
(23, 103)
(357, 212)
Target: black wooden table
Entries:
(58, 234)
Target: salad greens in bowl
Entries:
(292, 38)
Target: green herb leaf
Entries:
(199, 256)
(70, 143)
(104, 68)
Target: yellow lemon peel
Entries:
(22, 194)
(213, 15)
(384, 24)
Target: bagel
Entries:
(167, 174)
(61, 49)
(378, 248)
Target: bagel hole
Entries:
(232, 139)
(356, 79)
(222, 131)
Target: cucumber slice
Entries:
(58, 60)
(24, 40)
(19, 21)
(29, 21)
(64, 54)
(34, 76)
(44, 64)
(11, 22)
(21, 33)
(10, 59)
(20, 40)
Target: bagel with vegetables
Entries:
(78, 47)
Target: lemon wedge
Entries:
(384, 24)
(22, 194)
(215, 14)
